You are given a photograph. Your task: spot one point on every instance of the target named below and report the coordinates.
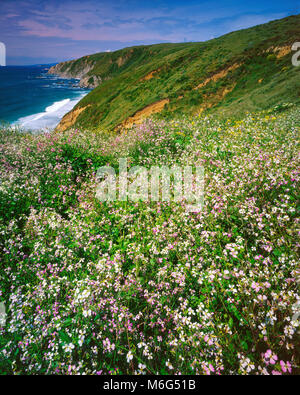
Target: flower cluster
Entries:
(147, 287)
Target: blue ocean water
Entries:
(35, 100)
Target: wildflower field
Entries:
(146, 287)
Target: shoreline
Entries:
(33, 100)
(49, 119)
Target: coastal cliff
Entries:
(92, 70)
(78, 70)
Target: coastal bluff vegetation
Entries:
(245, 70)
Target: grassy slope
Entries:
(183, 66)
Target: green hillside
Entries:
(241, 71)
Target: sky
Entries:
(50, 31)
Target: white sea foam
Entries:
(50, 118)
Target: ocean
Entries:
(34, 100)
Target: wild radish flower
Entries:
(286, 366)
(255, 286)
(208, 340)
(208, 369)
(129, 356)
(108, 346)
(247, 365)
(276, 373)
(169, 365)
(69, 347)
(87, 313)
(141, 369)
(270, 357)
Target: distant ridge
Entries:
(245, 70)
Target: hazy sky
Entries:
(44, 31)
